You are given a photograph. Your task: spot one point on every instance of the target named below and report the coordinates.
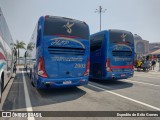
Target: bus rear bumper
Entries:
(117, 76)
(43, 83)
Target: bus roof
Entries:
(116, 30)
(59, 17)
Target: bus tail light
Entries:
(47, 16)
(87, 68)
(41, 68)
(108, 67)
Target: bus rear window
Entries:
(66, 27)
(120, 36)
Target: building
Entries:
(154, 46)
(141, 46)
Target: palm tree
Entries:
(30, 46)
(19, 45)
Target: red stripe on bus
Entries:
(2, 56)
(115, 67)
(61, 35)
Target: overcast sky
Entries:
(141, 17)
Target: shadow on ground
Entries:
(16, 97)
(108, 84)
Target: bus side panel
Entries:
(97, 56)
(105, 53)
(31, 54)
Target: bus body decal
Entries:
(69, 39)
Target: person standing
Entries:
(153, 64)
(14, 69)
(159, 63)
(139, 63)
(148, 65)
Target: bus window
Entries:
(121, 36)
(96, 42)
(61, 26)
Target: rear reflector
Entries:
(47, 16)
(41, 68)
(108, 67)
(87, 68)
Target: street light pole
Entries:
(100, 11)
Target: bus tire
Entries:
(1, 86)
(30, 75)
(0, 91)
(32, 84)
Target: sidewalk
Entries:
(156, 69)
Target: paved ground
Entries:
(140, 93)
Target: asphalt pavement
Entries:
(139, 93)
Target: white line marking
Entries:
(142, 82)
(28, 102)
(133, 100)
(144, 76)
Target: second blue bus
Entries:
(112, 55)
(58, 53)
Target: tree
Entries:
(19, 45)
(30, 46)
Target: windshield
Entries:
(65, 26)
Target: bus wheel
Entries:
(31, 78)
(1, 87)
(0, 92)
(26, 68)
(30, 75)
(32, 84)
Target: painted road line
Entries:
(133, 100)
(144, 76)
(142, 82)
(27, 98)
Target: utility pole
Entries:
(100, 11)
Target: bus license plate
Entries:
(123, 75)
(67, 82)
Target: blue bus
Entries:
(7, 54)
(58, 53)
(111, 55)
